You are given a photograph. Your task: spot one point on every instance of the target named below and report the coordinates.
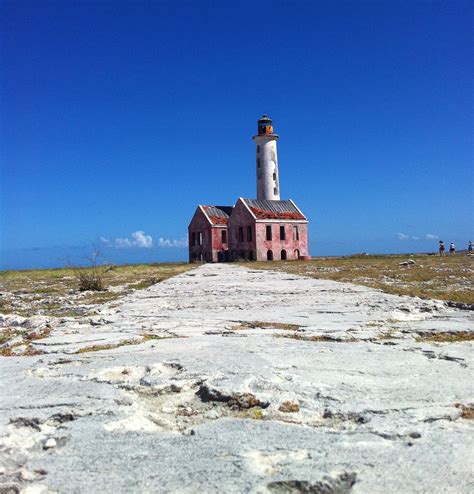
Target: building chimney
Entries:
(268, 186)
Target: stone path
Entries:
(226, 379)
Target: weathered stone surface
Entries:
(180, 387)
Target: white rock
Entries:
(50, 443)
(211, 414)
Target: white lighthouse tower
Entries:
(268, 186)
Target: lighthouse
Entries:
(268, 186)
(262, 229)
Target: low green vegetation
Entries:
(449, 278)
(62, 293)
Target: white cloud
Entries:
(139, 239)
(142, 240)
(431, 236)
(166, 242)
(402, 236)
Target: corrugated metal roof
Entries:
(218, 215)
(265, 209)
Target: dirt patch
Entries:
(289, 407)
(467, 411)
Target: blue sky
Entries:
(119, 117)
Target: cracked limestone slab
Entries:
(196, 403)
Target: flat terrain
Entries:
(448, 278)
(55, 292)
(234, 379)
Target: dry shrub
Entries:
(92, 277)
(90, 280)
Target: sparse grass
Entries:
(324, 338)
(446, 337)
(449, 278)
(252, 413)
(111, 346)
(140, 285)
(7, 334)
(386, 336)
(265, 325)
(98, 298)
(28, 352)
(55, 292)
(149, 336)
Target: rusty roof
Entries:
(277, 210)
(218, 215)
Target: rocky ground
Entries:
(230, 379)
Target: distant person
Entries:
(452, 250)
(469, 246)
(441, 248)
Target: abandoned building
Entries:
(262, 229)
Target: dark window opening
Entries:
(249, 234)
(224, 236)
(241, 233)
(258, 148)
(269, 255)
(275, 190)
(296, 233)
(274, 176)
(258, 162)
(282, 233)
(193, 238)
(283, 255)
(269, 232)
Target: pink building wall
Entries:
(241, 218)
(255, 248)
(290, 244)
(212, 248)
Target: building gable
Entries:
(274, 210)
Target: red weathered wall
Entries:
(200, 223)
(213, 250)
(241, 217)
(217, 246)
(276, 245)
